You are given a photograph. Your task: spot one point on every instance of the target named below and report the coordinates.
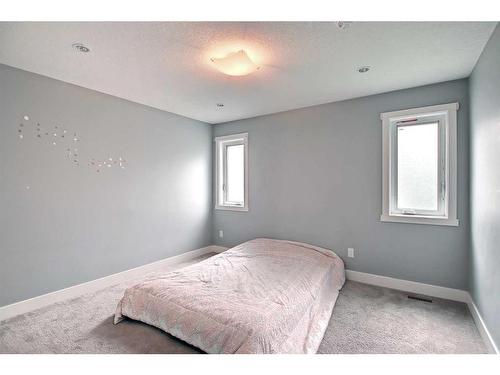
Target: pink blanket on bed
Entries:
(263, 296)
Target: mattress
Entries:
(263, 296)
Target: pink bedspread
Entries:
(263, 296)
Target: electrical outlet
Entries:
(221, 234)
(350, 252)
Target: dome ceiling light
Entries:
(235, 64)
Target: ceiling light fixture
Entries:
(235, 64)
(81, 48)
(363, 69)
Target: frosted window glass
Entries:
(417, 167)
(235, 174)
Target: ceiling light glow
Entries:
(235, 64)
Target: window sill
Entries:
(415, 219)
(231, 208)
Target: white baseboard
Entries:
(431, 291)
(217, 249)
(409, 286)
(38, 302)
(481, 326)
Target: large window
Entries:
(232, 172)
(419, 165)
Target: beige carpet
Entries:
(366, 319)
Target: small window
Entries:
(232, 172)
(419, 165)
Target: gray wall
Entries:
(74, 224)
(485, 185)
(315, 176)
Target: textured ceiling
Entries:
(166, 65)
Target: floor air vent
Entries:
(420, 298)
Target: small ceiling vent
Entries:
(343, 25)
(81, 48)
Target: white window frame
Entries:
(221, 144)
(446, 116)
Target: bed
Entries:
(263, 296)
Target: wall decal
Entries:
(59, 136)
